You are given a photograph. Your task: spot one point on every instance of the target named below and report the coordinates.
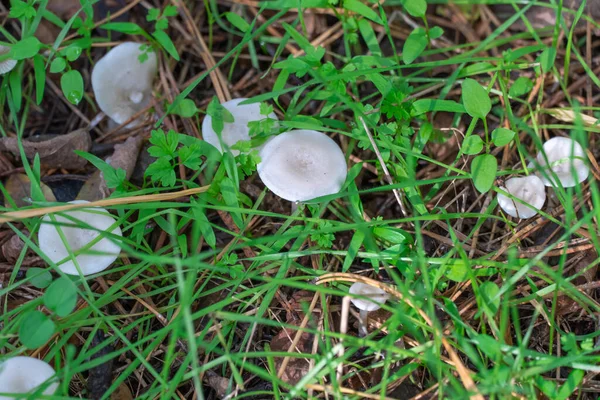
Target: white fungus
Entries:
(8, 64)
(302, 165)
(566, 159)
(94, 259)
(530, 189)
(121, 83)
(20, 375)
(377, 297)
(236, 131)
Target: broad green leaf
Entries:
(166, 43)
(489, 291)
(186, 108)
(58, 65)
(570, 385)
(362, 9)
(472, 145)
(502, 136)
(61, 297)
(73, 52)
(546, 59)
(129, 28)
(520, 87)
(36, 329)
(483, 171)
(113, 177)
(435, 32)
(237, 21)
(26, 48)
(415, 44)
(422, 106)
(353, 248)
(475, 99)
(369, 36)
(71, 84)
(416, 8)
(40, 278)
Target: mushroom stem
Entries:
(136, 97)
(294, 206)
(363, 317)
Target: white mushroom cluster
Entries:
(562, 162)
(22, 375)
(80, 228)
(122, 84)
(302, 165)
(236, 131)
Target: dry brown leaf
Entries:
(297, 367)
(12, 248)
(122, 393)
(19, 188)
(54, 151)
(218, 383)
(124, 157)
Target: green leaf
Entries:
(26, 48)
(164, 145)
(415, 44)
(475, 99)
(162, 170)
(40, 278)
(61, 297)
(40, 77)
(570, 385)
(472, 145)
(520, 87)
(170, 11)
(362, 9)
(114, 177)
(546, 59)
(186, 108)
(129, 28)
(502, 136)
(20, 9)
(203, 224)
(369, 36)
(237, 21)
(353, 249)
(416, 8)
(422, 106)
(71, 84)
(457, 272)
(58, 65)
(191, 156)
(73, 52)
(435, 32)
(153, 14)
(483, 171)
(36, 329)
(166, 43)
(219, 115)
(489, 294)
(15, 79)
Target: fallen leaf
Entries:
(55, 151)
(12, 248)
(122, 393)
(218, 383)
(297, 367)
(18, 186)
(125, 156)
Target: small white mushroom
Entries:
(302, 165)
(529, 189)
(566, 159)
(21, 375)
(94, 259)
(121, 83)
(377, 297)
(8, 64)
(236, 131)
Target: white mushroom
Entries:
(94, 259)
(8, 64)
(121, 83)
(566, 158)
(530, 189)
(237, 130)
(21, 375)
(377, 297)
(301, 165)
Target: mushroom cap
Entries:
(562, 153)
(362, 289)
(530, 189)
(8, 64)
(301, 165)
(93, 260)
(25, 374)
(237, 130)
(121, 83)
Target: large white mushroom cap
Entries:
(122, 84)
(567, 159)
(237, 130)
(301, 165)
(378, 296)
(20, 375)
(97, 257)
(530, 189)
(8, 64)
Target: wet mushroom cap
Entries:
(97, 257)
(8, 64)
(564, 155)
(530, 189)
(122, 84)
(302, 165)
(237, 130)
(25, 374)
(378, 296)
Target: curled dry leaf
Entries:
(297, 367)
(18, 186)
(124, 157)
(218, 383)
(122, 393)
(55, 151)
(12, 248)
